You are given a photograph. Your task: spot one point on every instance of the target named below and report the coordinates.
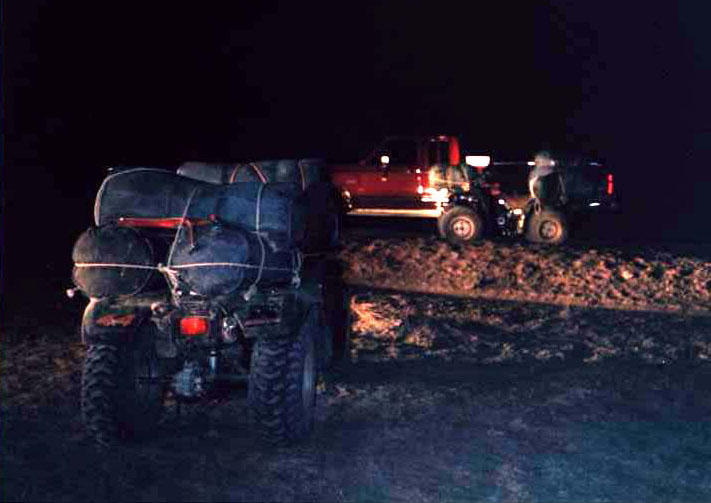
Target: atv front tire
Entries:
(122, 392)
(461, 226)
(282, 385)
(547, 227)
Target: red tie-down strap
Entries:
(167, 223)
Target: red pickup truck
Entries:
(403, 176)
(469, 195)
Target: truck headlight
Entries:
(478, 161)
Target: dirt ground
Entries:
(502, 392)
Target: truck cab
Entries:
(404, 176)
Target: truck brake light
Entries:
(610, 184)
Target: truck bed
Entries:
(586, 182)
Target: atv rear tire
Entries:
(461, 226)
(323, 228)
(282, 385)
(547, 227)
(336, 311)
(122, 391)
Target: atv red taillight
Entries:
(194, 325)
(610, 184)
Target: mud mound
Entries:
(626, 278)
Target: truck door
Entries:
(395, 183)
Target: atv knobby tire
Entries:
(461, 225)
(122, 393)
(336, 312)
(282, 385)
(547, 227)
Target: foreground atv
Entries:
(139, 351)
(234, 303)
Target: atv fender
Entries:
(303, 307)
(104, 321)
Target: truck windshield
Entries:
(438, 153)
(401, 151)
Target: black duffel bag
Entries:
(112, 261)
(272, 209)
(220, 260)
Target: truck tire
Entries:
(461, 225)
(547, 227)
(122, 391)
(282, 385)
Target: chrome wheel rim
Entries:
(549, 229)
(462, 228)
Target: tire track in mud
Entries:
(390, 325)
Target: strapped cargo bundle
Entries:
(218, 260)
(307, 176)
(224, 238)
(112, 260)
(274, 209)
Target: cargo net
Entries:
(172, 271)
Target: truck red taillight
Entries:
(194, 325)
(610, 184)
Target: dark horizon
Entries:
(149, 84)
(87, 86)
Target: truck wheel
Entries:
(547, 227)
(282, 385)
(122, 392)
(461, 225)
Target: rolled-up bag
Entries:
(220, 260)
(274, 208)
(112, 261)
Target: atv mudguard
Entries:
(105, 321)
(298, 304)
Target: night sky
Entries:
(87, 85)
